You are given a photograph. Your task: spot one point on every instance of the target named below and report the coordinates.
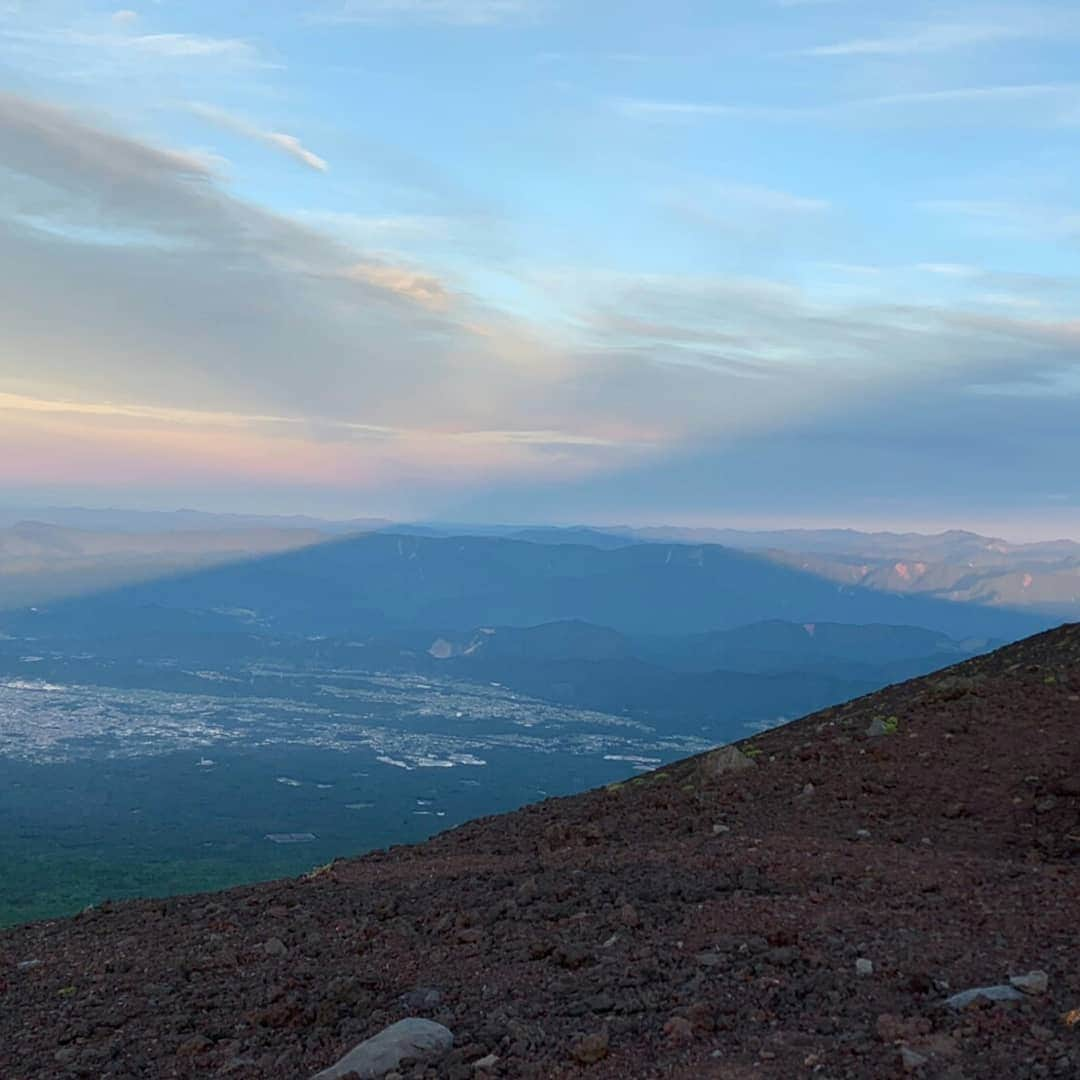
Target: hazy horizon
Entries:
(1011, 531)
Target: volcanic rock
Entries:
(422, 1040)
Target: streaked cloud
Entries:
(277, 140)
(769, 200)
(234, 51)
(453, 12)
(1035, 104)
(940, 37)
(953, 270)
(1046, 221)
(425, 289)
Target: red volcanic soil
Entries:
(688, 923)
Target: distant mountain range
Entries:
(954, 565)
(382, 581)
(754, 673)
(668, 632)
(70, 551)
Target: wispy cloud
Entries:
(172, 46)
(927, 39)
(277, 140)
(652, 109)
(121, 49)
(1044, 104)
(425, 289)
(376, 229)
(1023, 92)
(453, 12)
(750, 210)
(752, 197)
(1048, 222)
(953, 270)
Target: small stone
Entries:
(912, 1060)
(876, 728)
(783, 956)
(488, 1062)
(679, 1030)
(275, 947)
(590, 1049)
(628, 916)
(702, 1016)
(1034, 982)
(992, 993)
(29, 965)
(864, 967)
(414, 1038)
(65, 1055)
(720, 830)
(197, 1044)
(862, 834)
(422, 999)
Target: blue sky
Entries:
(770, 260)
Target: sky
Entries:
(773, 262)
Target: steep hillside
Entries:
(805, 905)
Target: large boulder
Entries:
(727, 759)
(413, 1038)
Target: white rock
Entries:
(864, 966)
(912, 1059)
(1034, 982)
(375, 1057)
(991, 993)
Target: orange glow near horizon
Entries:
(43, 442)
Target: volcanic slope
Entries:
(700, 921)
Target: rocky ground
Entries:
(802, 908)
